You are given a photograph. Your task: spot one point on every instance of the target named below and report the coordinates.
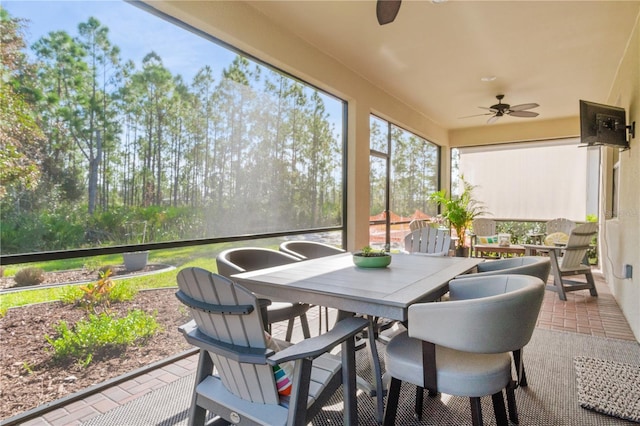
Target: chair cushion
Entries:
(556, 238)
(458, 373)
(491, 239)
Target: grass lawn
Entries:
(197, 256)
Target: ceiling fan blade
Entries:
(493, 119)
(476, 115)
(522, 107)
(387, 10)
(523, 113)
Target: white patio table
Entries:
(334, 281)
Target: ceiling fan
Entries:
(387, 10)
(500, 109)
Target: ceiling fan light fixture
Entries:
(488, 78)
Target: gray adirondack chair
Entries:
(235, 378)
(571, 260)
(428, 241)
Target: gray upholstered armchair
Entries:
(535, 266)
(466, 349)
(306, 250)
(309, 249)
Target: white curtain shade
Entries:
(533, 181)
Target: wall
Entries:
(621, 242)
(516, 132)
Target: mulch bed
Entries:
(29, 375)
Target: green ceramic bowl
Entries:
(371, 261)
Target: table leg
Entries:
(349, 382)
(374, 360)
(372, 389)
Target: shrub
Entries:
(122, 292)
(70, 294)
(29, 276)
(92, 264)
(103, 270)
(81, 341)
(102, 293)
(97, 294)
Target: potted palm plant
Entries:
(459, 211)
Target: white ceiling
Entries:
(433, 56)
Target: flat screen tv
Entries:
(602, 125)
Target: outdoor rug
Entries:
(550, 399)
(609, 387)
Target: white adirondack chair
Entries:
(428, 241)
(235, 378)
(570, 260)
(482, 227)
(559, 225)
(417, 224)
(558, 230)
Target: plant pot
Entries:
(135, 260)
(462, 251)
(376, 261)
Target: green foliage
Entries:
(70, 294)
(104, 291)
(518, 230)
(101, 293)
(92, 264)
(19, 131)
(27, 367)
(81, 341)
(132, 142)
(103, 269)
(63, 229)
(459, 210)
(29, 276)
(592, 253)
(122, 292)
(368, 251)
(30, 231)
